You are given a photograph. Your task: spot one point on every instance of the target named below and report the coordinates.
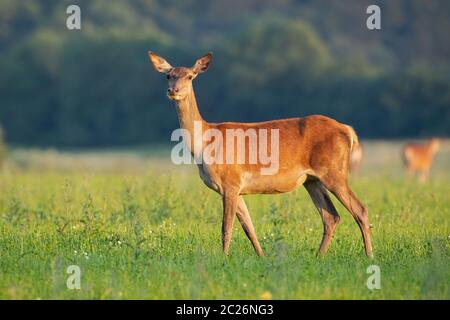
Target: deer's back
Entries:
(307, 146)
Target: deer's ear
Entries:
(159, 63)
(202, 64)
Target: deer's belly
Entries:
(253, 182)
(271, 184)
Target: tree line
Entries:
(96, 87)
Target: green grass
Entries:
(156, 235)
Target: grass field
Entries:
(140, 228)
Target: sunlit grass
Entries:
(156, 235)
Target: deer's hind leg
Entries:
(327, 211)
(334, 176)
(340, 188)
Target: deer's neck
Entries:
(191, 120)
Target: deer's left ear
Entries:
(202, 64)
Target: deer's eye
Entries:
(190, 77)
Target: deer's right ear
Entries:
(159, 63)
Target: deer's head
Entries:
(435, 144)
(180, 78)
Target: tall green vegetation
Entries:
(272, 59)
(142, 233)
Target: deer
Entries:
(418, 157)
(314, 152)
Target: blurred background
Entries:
(95, 87)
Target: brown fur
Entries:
(418, 157)
(314, 151)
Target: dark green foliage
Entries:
(272, 59)
(2, 148)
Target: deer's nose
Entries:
(172, 90)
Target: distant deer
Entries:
(356, 158)
(314, 151)
(419, 156)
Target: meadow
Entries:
(141, 228)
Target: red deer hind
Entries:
(419, 156)
(313, 151)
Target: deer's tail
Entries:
(354, 142)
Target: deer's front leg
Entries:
(247, 224)
(230, 201)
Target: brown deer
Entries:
(419, 156)
(314, 151)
